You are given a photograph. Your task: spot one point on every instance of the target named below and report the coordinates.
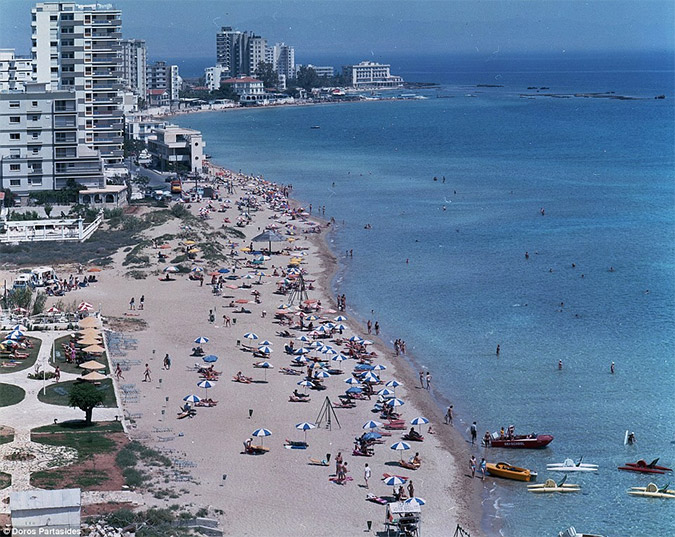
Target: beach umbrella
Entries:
(171, 269)
(305, 384)
(340, 318)
(400, 446)
(355, 389)
(269, 237)
(93, 365)
(223, 271)
(321, 375)
(419, 420)
(197, 269)
(305, 426)
(372, 435)
(210, 358)
(302, 350)
(262, 433)
(372, 424)
(357, 339)
(415, 500)
(311, 318)
(53, 310)
(393, 384)
(366, 342)
(379, 367)
(265, 366)
(340, 327)
(201, 340)
(303, 338)
(251, 336)
(206, 385)
(386, 392)
(90, 339)
(9, 343)
(265, 349)
(300, 360)
(394, 481)
(94, 349)
(20, 327)
(20, 310)
(192, 398)
(339, 358)
(370, 377)
(265, 342)
(395, 402)
(94, 376)
(363, 367)
(352, 380)
(15, 335)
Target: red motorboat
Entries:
(523, 441)
(642, 466)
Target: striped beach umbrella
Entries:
(251, 336)
(395, 402)
(300, 360)
(15, 335)
(371, 424)
(352, 380)
(303, 338)
(386, 392)
(201, 340)
(206, 385)
(305, 426)
(262, 433)
(370, 377)
(340, 327)
(302, 350)
(379, 367)
(265, 366)
(339, 358)
(393, 384)
(419, 420)
(191, 398)
(305, 384)
(415, 501)
(394, 481)
(265, 349)
(321, 375)
(22, 328)
(400, 446)
(340, 318)
(265, 342)
(171, 269)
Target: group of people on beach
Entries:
(341, 302)
(399, 347)
(482, 467)
(141, 303)
(425, 380)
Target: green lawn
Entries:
(6, 435)
(11, 395)
(58, 394)
(67, 367)
(8, 365)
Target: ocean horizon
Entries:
(475, 263)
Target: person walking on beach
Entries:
(141, 302)
(377, 328)
(167, 362)
(474, 433)
(411, 489)
(483, 468)
(498, 349)
(118, 372)
(366, 474)
(57, 373)
(422, 379)
(132, 304)
(472, 466)
(448, 416)
(428, 380)
(338, 462)
(369, 326)
(146, 374)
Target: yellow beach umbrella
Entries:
(89, 340)
(193, 250)
(189, 243)
(95, 349)
(93, 365)
(245, 249)
(94, 376)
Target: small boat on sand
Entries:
(507, 471)
(568, 465)
(652, 491)
(551, 486)
(523, 441)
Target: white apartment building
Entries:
(161, 76)
(176, 148)
(282, 58)
(39, 146)
(175, 83)
(239, 52)
(214, 75)
(135, 65)
(14, 72)
(320, 70)
(371, 75)
(141, 129)
(77, 47)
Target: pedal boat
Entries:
(505, 470)
(652, 491)
(570, 466)
(551, 486)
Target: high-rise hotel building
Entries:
(77, 48)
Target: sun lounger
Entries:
(290, 444)
(243, 380)
(377, 499)
(409, 465)
(317, 462)
(344, 405)
(288, 371)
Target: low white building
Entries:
(141, 129)
(177, 148)
(40, 510)
(214, 75)
(371, 75)
(14, 72)
(249, 89)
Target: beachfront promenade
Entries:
(292, 495)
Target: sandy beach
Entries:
(278, 493)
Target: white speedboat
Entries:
(568, 465)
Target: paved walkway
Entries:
(32, 413)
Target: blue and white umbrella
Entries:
(305, 426)
(393, 384)
(394, 481)
(321, 375)
(265, 366)
(206, 385)
(395, 402)
(300, 360)
(363, 367)
(19, 327)
(305, 384)
(419, 420)
(352, 380)
(372, 435)
(171, 269)
(16, 334)
(191, 398)
(223, 271)
(251, 336)
(302, 350)
(339, 358)
(201, 339)
(210, 358)
(265, 349)
(386, 392)
(340, 318)
(323, 330)
(340, 327)
(355, 389)
(265, 342)
(356, 338)
(303, 338)
(197, 269)
(400, 446)
(370, 377)
(372, 424)
(415, 501)
(262, 433)
(379, 367)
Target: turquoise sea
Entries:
(603, 171)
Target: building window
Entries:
(34, 103)
(35, 180)
(34, 118)
(14, 136)
(15, 182)
(36, 150)
(14, 104)
(15, 167)
(14, 119)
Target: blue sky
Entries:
(376, 28)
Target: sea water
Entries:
(443, 265)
